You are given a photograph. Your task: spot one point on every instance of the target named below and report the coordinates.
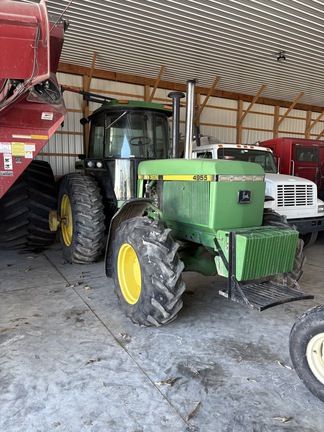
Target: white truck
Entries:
(293, 197)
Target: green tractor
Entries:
(167, 215)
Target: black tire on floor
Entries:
(82, 230)
(25, 207)
(306, 344)
(147, 272)
(309, 239)
(275, 219)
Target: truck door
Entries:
(306, 161)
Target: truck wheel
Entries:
(306, 347)
(25, 207)
(273, 218)
(309, 239)
(82, 219)
(147, 272)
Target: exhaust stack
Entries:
(175, 96)
(190, 106)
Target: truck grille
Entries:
(295, 195)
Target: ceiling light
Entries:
(281, 56)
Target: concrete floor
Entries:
(71, 361)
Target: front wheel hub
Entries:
(129, 274)
(315, 356)
(66, 220)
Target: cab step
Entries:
(263, 295)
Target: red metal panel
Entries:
(28, 116)
(24, 36)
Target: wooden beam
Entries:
(239, 125)
(86, 86)
(319, 136)
(314, 123)
(275, 122)
(256, 97)
(308, 123)
(212, 88)
(157, 82)
(146, 93)
(290, 108)
(169, 85)
(85, 108)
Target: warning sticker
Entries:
(6, 173)
(5, 147)
(47, 116)
(29, 147)
(7, 162)
(18, 149)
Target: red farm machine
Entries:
(31, 110)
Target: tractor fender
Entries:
(130, 209)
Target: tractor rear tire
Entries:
(147, 272)
(82, 230)
(25, 207)
(306, 344)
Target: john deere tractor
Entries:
(205, 216)
(167, 215)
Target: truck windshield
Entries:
(130, 134)
(263, 158)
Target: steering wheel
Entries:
(140, 140)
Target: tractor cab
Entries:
(122, 134)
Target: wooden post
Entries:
(276, 121)
(239, 125)
(85, 108)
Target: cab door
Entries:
(306, 162)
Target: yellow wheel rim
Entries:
(315, 356)
(129, 273)
(67, 222)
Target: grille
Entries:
(295, 195)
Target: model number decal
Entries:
(200, 177)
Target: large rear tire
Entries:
(147, 272)
(82, 219)
(306, 347)
(25, 207)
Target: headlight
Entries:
(90, 164)
(100, 165)
(321, 209)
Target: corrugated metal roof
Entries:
(234, 39)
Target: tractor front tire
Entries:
(273, 218)
(82, 219)
(306, 346)
(25, 207)
(147, 272)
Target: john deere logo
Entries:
(244, 197)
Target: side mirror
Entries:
(81, 156)
(84, 121)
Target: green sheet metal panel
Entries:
(259, 253)
(203, 194)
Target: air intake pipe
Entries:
(190, 106)
(175, 96)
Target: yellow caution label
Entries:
(18, 149)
